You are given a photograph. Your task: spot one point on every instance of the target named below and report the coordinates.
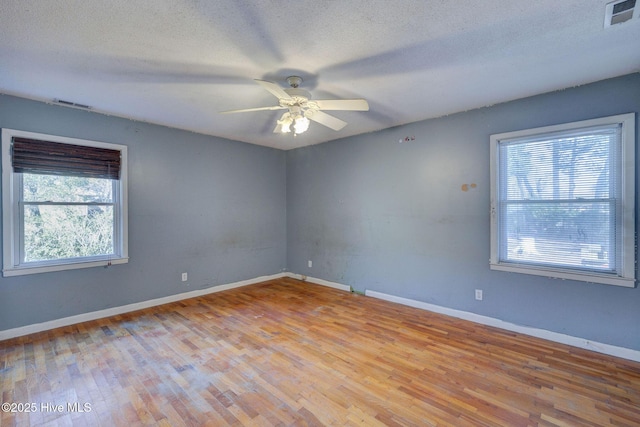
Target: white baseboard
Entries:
(94, 315)
(612, 350)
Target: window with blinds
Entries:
(562, 201)
(64, 203)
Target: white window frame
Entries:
(625, 276)
(11, 231)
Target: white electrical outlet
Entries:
(310, 263)
(184, 277)
(479, 294)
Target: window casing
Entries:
(562, 201)
(58, 215)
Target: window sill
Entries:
(20, 271)
(605, 279)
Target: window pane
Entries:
(574, 235)
(559, 168)
(57, 188)
(56, 231)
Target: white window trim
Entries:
(11, 234)
(626, 276)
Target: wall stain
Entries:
(465, 187)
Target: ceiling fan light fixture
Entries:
(284, 124)
(301, 124)
(285, 127)
(294, 117)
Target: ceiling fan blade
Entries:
(343, 104)
(246, 110)
(276, 90)
(325, 119)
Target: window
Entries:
(562, 201)
(64, 203)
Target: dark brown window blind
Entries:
(54, 158)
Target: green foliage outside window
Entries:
(67, 217)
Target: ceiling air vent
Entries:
(620, 11)
(74, 104)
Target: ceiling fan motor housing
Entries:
(298, 93)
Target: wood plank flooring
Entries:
(289, 353)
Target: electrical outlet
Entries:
(310, 263)
(184, 277)
(479, 294)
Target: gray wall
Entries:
(203, 205)
(368, 211)
(392, 217)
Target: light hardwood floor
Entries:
(285, 352)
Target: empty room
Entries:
(309, 213)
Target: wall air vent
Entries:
(71, 104)
(620, 11)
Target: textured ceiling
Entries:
(180, 62)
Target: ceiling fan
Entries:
(300, 108)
